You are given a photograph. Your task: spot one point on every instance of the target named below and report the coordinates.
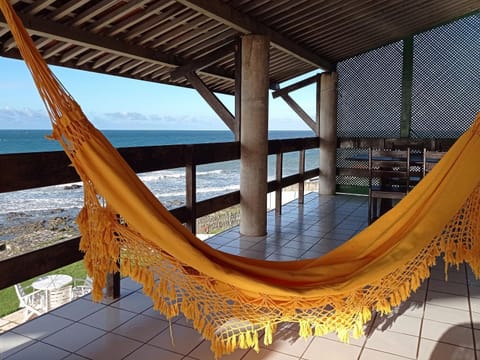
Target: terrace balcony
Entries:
(397, 91)
(440, 321)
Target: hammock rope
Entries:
(232, 300)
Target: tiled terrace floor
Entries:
(440, 321)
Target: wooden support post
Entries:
(278, 192)
(254, 135)
(238, 90)
(327, 98)
(301, 171)
(191, 193)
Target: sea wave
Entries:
(210, 172)
(215, 189)
(39, 205)
(205, 190)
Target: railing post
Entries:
(191, 190)
(278, 178)
(301, 172)
(113, 285)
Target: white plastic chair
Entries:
(82, 287)
(58, 297)
(33, 303)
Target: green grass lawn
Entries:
(9, 300)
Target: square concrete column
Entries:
(254, 135)
(328, 133)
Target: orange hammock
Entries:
(232, 300)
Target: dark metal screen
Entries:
(446, 79)
(369, 93)
(445, 90)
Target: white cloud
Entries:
(25, 118)
(29, 118)
(140, 121)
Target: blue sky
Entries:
(112, 102)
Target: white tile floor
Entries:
(439, 322)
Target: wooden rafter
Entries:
(155, 22)
(284, 94)
(38, 6)
(298, 85)
(75, 36)
(203, 62)
(117, 14)
(67, 8)
(245, 24)
(212, 100)
(138, 18)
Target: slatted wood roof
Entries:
(161, 40)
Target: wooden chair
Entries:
(33, 303)
(389, 179)
(430, 159)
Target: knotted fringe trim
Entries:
(230, 319)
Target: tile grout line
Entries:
(369, 332)
(419, 340)
(470, 313)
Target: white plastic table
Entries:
(52, 282)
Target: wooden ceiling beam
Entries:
(203, 62)
(298, 85)
(152, 22)
(284, 94)
(74, 36)
(67, 9)
(213, 101)
(69, 55)
(38, 6)
(139, 18)
(54, 50)
(92, 11)
(116, 14)
(246, 24)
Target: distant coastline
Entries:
(20, 141)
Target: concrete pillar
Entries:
(254, 135)
(328, 133)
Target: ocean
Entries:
(167, 185)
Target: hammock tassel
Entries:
(268, 337)
(305, 329)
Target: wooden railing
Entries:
(31, 170)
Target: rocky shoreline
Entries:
(22, 232)
(25, 232)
